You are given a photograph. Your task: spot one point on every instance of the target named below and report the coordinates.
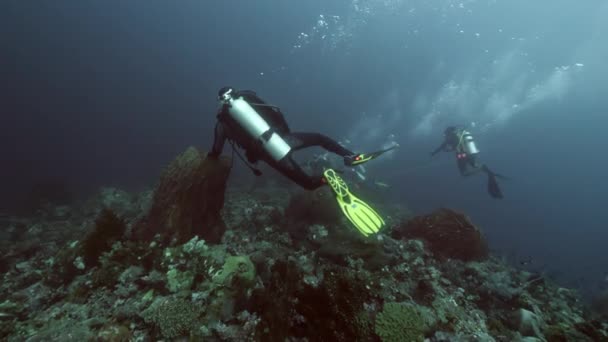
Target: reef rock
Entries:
(447, 233)
(187, 200)
(527, 323)
(313, 207)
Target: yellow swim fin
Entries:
(361, 215)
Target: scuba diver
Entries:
(260, 129)
(461, 142)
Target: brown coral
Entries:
(108, 229)
(188, 200)
(448, 234)
(311, 207)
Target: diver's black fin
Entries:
(487, 170)
(493, 188)
(499, 176)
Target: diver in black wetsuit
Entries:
(460, 141)
(261, 130)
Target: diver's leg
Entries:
(300, 140)
(462, 166)
(470, 165)
(290, 169)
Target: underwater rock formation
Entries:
(187, 200)
(398, 322)
(309, 207)
(261, 284)
(448, 233)
(332, 310)
(108, 229)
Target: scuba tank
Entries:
(466, 143)
(255, 125)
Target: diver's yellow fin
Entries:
(361, 215)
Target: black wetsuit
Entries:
(464, 160)
(228, 129)
(467, 162)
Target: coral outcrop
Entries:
(310, 207)
(448, 234)
(108, 229)
(187, 200)
(260, 283)
(397, 322)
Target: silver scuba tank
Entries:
(468, 143)
(257, 127)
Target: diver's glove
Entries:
(350, 159)
(358, 159)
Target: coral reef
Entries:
(398, 322)
(73, 277)
(174, 317)
(310, 207)
(238, 271)
(600, 304)
(108, 229)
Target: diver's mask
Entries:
(450, 130)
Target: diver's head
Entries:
(225, 93)
(450, 130)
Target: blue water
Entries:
(107, 92)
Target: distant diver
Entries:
(461, 142)
(260, 129)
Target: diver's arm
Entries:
(218, 141)
(279, 120)
(442, 147)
